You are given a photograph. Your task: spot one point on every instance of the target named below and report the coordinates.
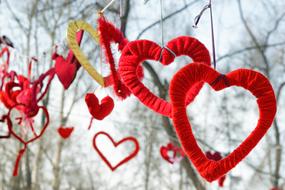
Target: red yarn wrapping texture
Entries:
(108, 34)
(250, 80)
(216, 156)
(138, 51)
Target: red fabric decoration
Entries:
(126, 159)
(108, 34)
(25, 141)
(99, 111)
(8, 124)
(216, 156)
(65, 132)
(138, 51)
(177, 155)
(250, 80)
(66, 69)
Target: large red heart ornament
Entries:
(251, 81)
(136, 52)
(116, 144)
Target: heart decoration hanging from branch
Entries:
(116, 144)
(177, 153)
(65, 132)
(66, 69)
(99, 110)
(136, 52)
(251, 81)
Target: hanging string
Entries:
(107, 6)
(196, 21)
(161, 23)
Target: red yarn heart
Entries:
(138, 51)
(116, 144)
(99, 111)
(250, 80)
(26, 141)
(178, 154)
(8, 124)
(66, 69)
(108, 34)
(65, 132)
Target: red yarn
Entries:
(126, 159)
(99, 111)
(216, 156)
(138, 51)
(66, 69)
(25, 141)
(65, 132)
(250, 80)
(177, 155)
(108, 34)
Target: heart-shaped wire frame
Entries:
(73, 28)
(250, 80)
(126, 159)
(23, 141)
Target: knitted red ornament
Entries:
(108, 34)
(138, 51)
(126, 159)
(66, 69)
(177, 153)
(65, 132)
(99, 111)
(250, 80)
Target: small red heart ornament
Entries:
(116, 144)
(136, 52)
(251, 81)
(99, 111)
(65, 132)
(177, 153)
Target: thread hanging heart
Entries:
(116, 144)
(99, 111)
(73, 28)
(251, 81)
(177, 153)
(65, 132)
(138, 51)
(108, 34)
(66, 69)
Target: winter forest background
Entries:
(249, 34)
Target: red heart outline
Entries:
(108, 34)
(250, 80)
(138, 51)
(126, 159)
